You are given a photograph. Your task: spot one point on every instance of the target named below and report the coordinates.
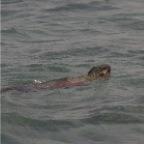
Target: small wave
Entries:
(6, 13)
(58, 69)
(14, 31)
(10, 1)
(114, 118)
(127, 21)
(121, 54)
(51, 125)
(83, 6)
(88, 51)
(10, 31)
(4, 65)
(5, 139)
(40, 67)
(136, 52)
(141, 58)
(134, 25)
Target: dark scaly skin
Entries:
(95, 73)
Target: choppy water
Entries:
(47, 39)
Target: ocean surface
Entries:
(48, 39)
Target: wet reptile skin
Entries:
(95, 73)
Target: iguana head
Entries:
(100, 71)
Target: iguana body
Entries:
(95, 73)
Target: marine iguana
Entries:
(98, 72)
